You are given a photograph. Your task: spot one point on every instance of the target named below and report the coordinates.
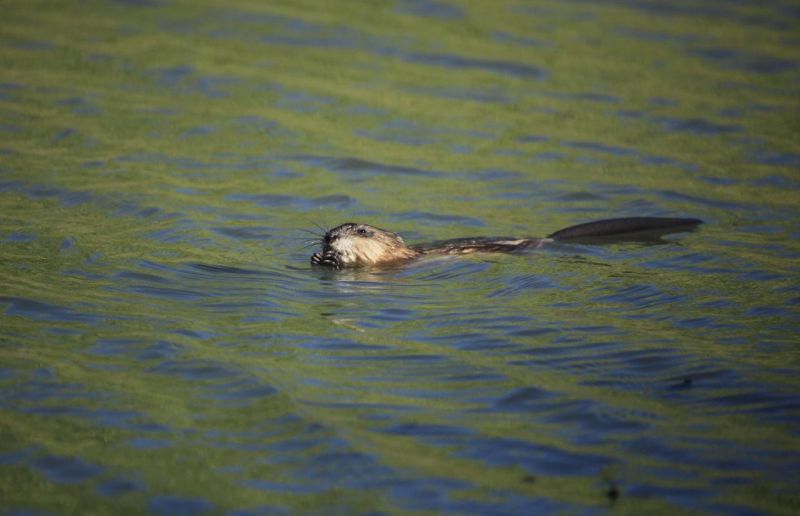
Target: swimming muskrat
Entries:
(357, 245)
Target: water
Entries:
(165, 346)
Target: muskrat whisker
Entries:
(309, 244)
(301, 248)
(312, 232)
(321, 228)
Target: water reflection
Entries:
(165, 345)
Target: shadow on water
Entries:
(166, 346)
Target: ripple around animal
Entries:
(166, 346)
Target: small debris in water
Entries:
(612, 494)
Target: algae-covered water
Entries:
(166, 347)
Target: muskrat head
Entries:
(357, 245)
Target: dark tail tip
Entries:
(625, 226)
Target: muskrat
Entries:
(357, 245)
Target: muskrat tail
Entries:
(601, 229)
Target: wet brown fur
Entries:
(358, 245)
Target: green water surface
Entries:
(165, 346)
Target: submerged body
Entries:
(359, 245)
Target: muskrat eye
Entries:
(362, 232)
